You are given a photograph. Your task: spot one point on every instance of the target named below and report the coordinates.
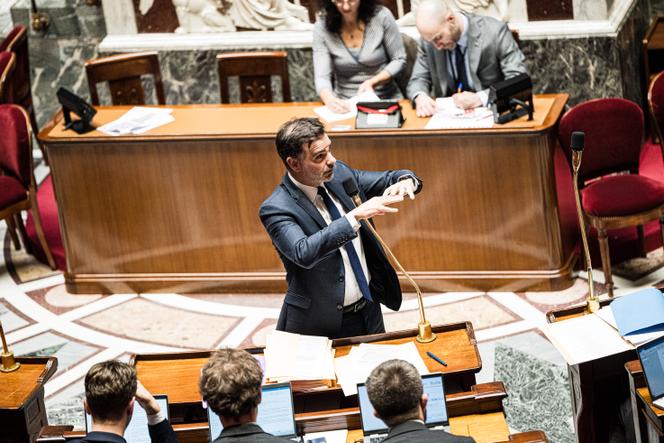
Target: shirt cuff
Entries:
(353, 222)
(157, 418)
(484, 96)
(416, 182)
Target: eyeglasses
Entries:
(341, 2)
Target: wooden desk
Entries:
(598, 387)
(176, 209)
(477, 413)
(22, 410)
(648, 419)
(177, 375)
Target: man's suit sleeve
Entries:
(162, 432)
(420, 78)
(512, 60)
(374, 183)
(292, 242)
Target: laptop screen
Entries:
(275, 412)
(436, 412)
(651, 355)
(137, 431)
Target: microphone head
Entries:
(578, 140)
(350, 186)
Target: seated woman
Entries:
(357, 48)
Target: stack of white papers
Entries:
(291, 357)
(326, 114)
(449, 116)
(138, 120)
(355, 367)
(585, 338)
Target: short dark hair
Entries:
(395, 390)
(109, 387)
(295, 133)
(328, 9)
(231, 382)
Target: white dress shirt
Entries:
(352, 292)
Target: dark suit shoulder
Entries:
(416, 432)
(248, 432)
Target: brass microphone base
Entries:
(8, 363)
(425, 333)
(593, 305)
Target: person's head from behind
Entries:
(231, 385)
(396, 393)
(438, 24)
(110, 387)
(305, 149)
(336, 11)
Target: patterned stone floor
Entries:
(41, 318)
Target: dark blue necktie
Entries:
(352, 254)
(461, 77)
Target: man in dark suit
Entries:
(110, 390)
(396, 393)
(337, 273)
(231, 385)
(460, 55)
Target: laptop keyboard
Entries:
(374, 438)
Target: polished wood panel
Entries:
(176, 209)
(22, 410)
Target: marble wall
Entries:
(582, 67)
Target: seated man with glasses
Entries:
(460, 55)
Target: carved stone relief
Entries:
(493, 8)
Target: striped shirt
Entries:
(382, 49)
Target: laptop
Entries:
(137, 431)
(276, 414)
(651, 355)
(375, 430)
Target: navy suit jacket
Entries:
(309, 249)
(416, 432)
(248, 433)
(162, 432)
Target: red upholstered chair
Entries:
(613, 194)
(18, 190)
(7, 64)
(656, 105)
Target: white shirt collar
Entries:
(310, 191)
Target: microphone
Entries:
(577, 144)
(424, 332)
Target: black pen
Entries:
(432, 355)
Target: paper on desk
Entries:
(338, 436)
(298, 357)
(606, 314)
(449, 116)
(329, 116)
(138, 120)
(585, 338)
(355, 367)
(639, 312)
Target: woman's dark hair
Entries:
(332, 15)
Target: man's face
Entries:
(443, 35)
(315, 164)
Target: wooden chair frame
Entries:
(254, 70)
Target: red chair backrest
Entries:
(15, 143)
(7, 64)
(614, 134)
(11, 37)
(656, 102)
(17, 42)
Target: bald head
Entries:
(438, 24)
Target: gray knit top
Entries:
(382, 49)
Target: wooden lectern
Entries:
(22, 411)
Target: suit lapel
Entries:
(337, 189)
(303, 201)
(474, 50)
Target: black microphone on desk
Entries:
(577, 144)
(424, 332)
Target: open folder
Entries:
(639, 312)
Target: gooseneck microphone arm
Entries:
(577, 144)
(425, 333)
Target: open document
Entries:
(138, 120)
(326, 114)
(291, 357)
(355, 367)
(449, 116)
